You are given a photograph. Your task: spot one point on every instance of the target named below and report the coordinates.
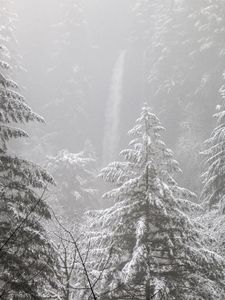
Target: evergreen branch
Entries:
(22, 223)
(104, 268)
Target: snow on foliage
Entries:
(25, 251)
(75, 175)
(156, 250)
(214, 165)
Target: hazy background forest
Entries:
(169, 54)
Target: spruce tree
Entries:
(213, 177)
(213, 172)
(157, 251)
(27, 258)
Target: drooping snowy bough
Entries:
(157, 252)
(214, 176)
(27, 259)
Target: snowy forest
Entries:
(112, 149)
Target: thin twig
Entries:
(79, 254)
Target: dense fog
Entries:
(97, 77)
(75, 77)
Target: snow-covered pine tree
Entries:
(27, 258)
(157, 252)
(213, 192)
(152, 148)
(75, 175)
(213, 189)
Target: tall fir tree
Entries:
(157, 251)
(27, 258)
(213, 192)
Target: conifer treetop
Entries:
(147, 149)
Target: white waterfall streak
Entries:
(113, 109)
